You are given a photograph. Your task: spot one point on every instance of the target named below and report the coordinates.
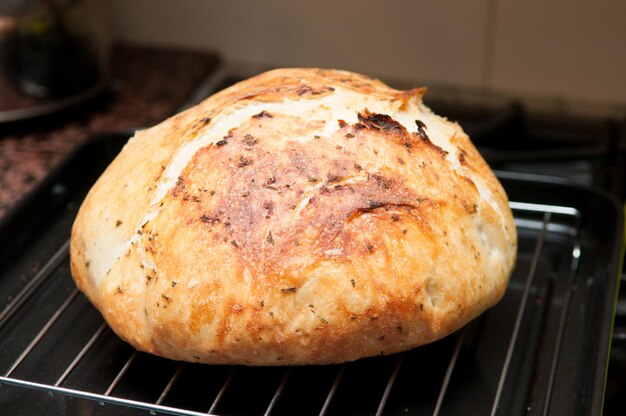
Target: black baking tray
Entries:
(542, 350)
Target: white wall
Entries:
(572, 49)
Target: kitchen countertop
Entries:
(148, 85)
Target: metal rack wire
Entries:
(541, 223)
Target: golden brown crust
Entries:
(302, 216)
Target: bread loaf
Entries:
(303, 216)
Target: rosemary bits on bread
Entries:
(303, 216)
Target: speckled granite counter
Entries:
(148, 85)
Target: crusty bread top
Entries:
(300, 216)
